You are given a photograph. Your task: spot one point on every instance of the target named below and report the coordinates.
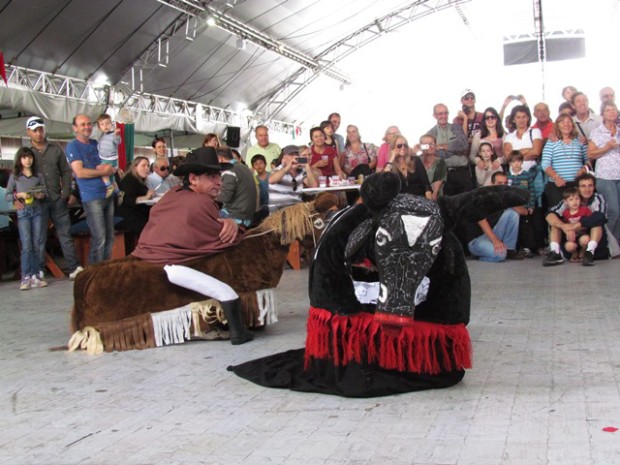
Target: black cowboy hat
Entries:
(200, 161)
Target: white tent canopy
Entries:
(377, 63)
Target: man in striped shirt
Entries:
(287, 181)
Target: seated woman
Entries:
(134, 214)
(358, 157)
(413, 177)
(287, 181)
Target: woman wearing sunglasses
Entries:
(413, 177)
(491, 131)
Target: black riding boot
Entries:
(238, 333)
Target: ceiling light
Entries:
(241, 43)
(210, 21)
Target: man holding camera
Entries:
(468, 118)
(287, 181)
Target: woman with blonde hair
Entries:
(562, 160)
(413, 177)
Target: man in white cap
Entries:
(468, 118)
(52, 162)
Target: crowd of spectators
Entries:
(570, 166)
(532, 152)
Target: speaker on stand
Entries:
(233, 136)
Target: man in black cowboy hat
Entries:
(185, 224)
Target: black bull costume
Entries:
(413, 335)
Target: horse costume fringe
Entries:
(149, 330)
(291, 224)
(420, 348)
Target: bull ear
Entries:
(480, 203)
(379, 189)
(358, 239)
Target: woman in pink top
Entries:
(384, 151)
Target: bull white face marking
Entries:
(383, 236)
(383, 293)
(414, 225)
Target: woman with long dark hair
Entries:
(491, 131)
(324, 157)
(26, 187)
(135, 215)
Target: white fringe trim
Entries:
(172, 326)
(267, 306)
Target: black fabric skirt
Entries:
(286, 371)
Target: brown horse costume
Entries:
(118, 299)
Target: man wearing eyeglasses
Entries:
(452, 147)
(52, 162)
(161, 180)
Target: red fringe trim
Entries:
(419, 348)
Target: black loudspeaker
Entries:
(233, 136)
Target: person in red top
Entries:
(324, 158)
(575, 240)
(543, 121)
(185, 224)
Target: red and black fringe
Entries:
(418, 348)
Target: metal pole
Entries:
(540, 37)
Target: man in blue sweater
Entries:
(88, 169)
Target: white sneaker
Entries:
(25, 284)
(36, 282)
(41, 275)
(75, 272)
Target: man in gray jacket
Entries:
(452, 147)
(239, 193)
(52, 162)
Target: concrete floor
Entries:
(544, 385)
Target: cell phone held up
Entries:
(302, 160)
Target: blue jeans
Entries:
(506, 230)
(100, 219)
(610, 190)
(29, 226)
(58, 211)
